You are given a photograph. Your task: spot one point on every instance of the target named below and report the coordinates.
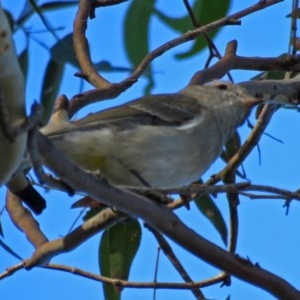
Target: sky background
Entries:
(267, 236)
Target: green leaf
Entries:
(63, 51)
(55, 5)
(205, 12)
(208, 208)
(182, 24)
(136, 30)
(10, 20)
(136, 35)
(51, 83)
(106, 66)
(270, 75)
(275, 75)
(231, 147)
(26, 12)
(91, 213)
(118, 247)
(23, 61)
(1, 229)
(29, 9)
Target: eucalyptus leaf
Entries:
(9, 250)
(23, 61)
(205, 12)
(50, 88)
(29, 9)
(136, 30)
(208, 208)
(118, 247)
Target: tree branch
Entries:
(97, 223)
(81, 46)
(163, 220)
(231, 61)
(24, 220)
(106, 90)
(166, 248)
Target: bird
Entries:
(155, 141)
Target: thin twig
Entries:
(213, 50)
(118, 282)
(166, 248)
(293, 30)
(81, 46)
(111, 91)
(97, 223)
(239, 188)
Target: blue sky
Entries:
(267, 235)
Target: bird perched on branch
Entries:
(158, 141)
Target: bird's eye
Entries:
(223, 87)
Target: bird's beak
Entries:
(252, 101)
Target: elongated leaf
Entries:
(182, 24)
(28, 9)
(63, 51)
(118, 247)
(270, 75)
(136, 30)
(55, 5)
(231, 147)
(26, 12)
(1, 229)
(23, 61)
(10, 19)
(208, 208)
(51, 83)
(205, 12)
(136, 35)
(9, 250)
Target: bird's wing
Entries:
(163, 109)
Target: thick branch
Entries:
(231, 61)
(111, 91)
(24, 220)
(47, 251)
(164, 220)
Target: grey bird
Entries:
(158, 141)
